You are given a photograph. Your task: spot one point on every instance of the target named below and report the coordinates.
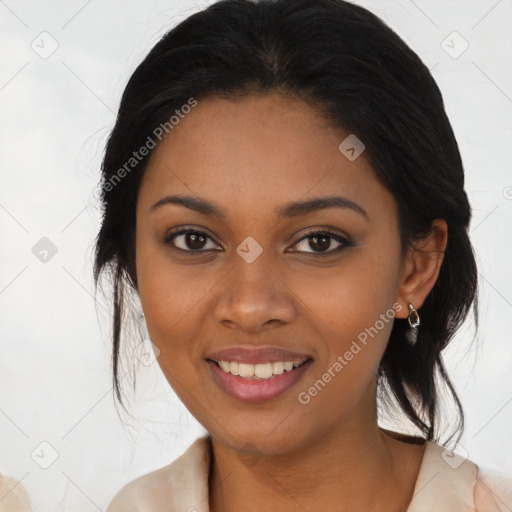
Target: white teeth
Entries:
(233, 368)
(224, 365)
(277, 368)
(260, 370)
(245, 370)
(263, 370)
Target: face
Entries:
(257, 274)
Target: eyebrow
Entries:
(290, 210)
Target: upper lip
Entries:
(255, 355)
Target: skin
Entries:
(328, 454)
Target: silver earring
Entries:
(414, 322)
(413, 318)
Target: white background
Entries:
(56, 113)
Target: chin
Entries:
(257, 442)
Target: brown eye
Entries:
(320, 242)
(190, 240)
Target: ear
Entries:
(420, 268)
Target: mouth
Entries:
(259, 382)
(259, 371)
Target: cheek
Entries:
(174, 298)
(165, 290)
(170, 302)
(350, 297)
(164, 296)
(353, 312)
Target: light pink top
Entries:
(446, 483)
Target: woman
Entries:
(284, 194)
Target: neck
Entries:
(357, 467)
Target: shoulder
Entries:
(139, 495)
(170, 487)
(480, 488)
(492, 491)
(13, 495)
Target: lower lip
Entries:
(257, 390)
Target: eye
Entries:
(195, 241)
(191, 240)
(320, 241)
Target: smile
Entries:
(257, 382)
(260, 370)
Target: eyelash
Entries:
(345, 242)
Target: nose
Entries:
(254, 297)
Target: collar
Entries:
(445, 482)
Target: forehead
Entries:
(257, 150)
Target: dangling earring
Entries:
(414, 322)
